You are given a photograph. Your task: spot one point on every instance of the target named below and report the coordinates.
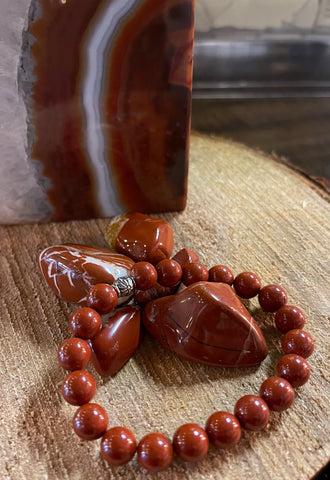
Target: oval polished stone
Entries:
(206, 323)
(71, 270)
(140, 237)
(114, 345)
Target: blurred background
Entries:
(262, 76)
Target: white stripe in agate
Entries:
(91, 93)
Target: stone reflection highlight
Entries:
(206, 323)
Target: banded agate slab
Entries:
(107, 86)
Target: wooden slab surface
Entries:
(245, 210)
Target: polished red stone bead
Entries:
(74, 354)
(78, 387)
(221, 274)
(194, 272)
(298, 342)
(272, 297)
(252, 412)
(277, 393)
(169, 272)
(294, 368)
(103, 298)
(288, 318)
(247, 284)
(145, 275)
(190, 442)
(185, 256)
(85, 322)
(118, 446)
(223, 430)
(90, 421)
(155, 452)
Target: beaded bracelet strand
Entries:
(190, 441)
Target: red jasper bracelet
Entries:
(222, 429)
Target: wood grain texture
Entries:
(244, 210)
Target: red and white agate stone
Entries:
(107, 85)
(71, 270)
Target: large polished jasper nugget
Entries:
(71, 270)
(206, 323)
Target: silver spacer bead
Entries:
(124, 286)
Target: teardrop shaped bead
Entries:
(114, 345)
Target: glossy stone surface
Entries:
(185, 256)
(114, 136)
(74, 354)
(155, 452)
(298, 342)
(145, 275)
(272, 297)
(190, 442)
(71, 270)
(90, 421)
(223, 430)
(288, 318)
(103, 298)
(194, 272)
(252, 412)
(85, 322)
(157, 291)
(294, 368)
(140, 237)
(118, 446)
(206, 323)
(277, 393)
(221, 274)
(78, 387)
(169, 272)
(247, 284)
(114, 345)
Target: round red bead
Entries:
(247, 284)
(118, 446)
(169, 272)
(277, 393)
(145, 275)
(288, 318)
(298, 342)
(252, 412)
(155, 452)
(103, 298)
(85, 322)
(194, 272)
(190, 442)
(294, 368)
(90, 421)
(223, 430)
(272, 297)
(74, 354)
(78, 387)
(221, 274)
